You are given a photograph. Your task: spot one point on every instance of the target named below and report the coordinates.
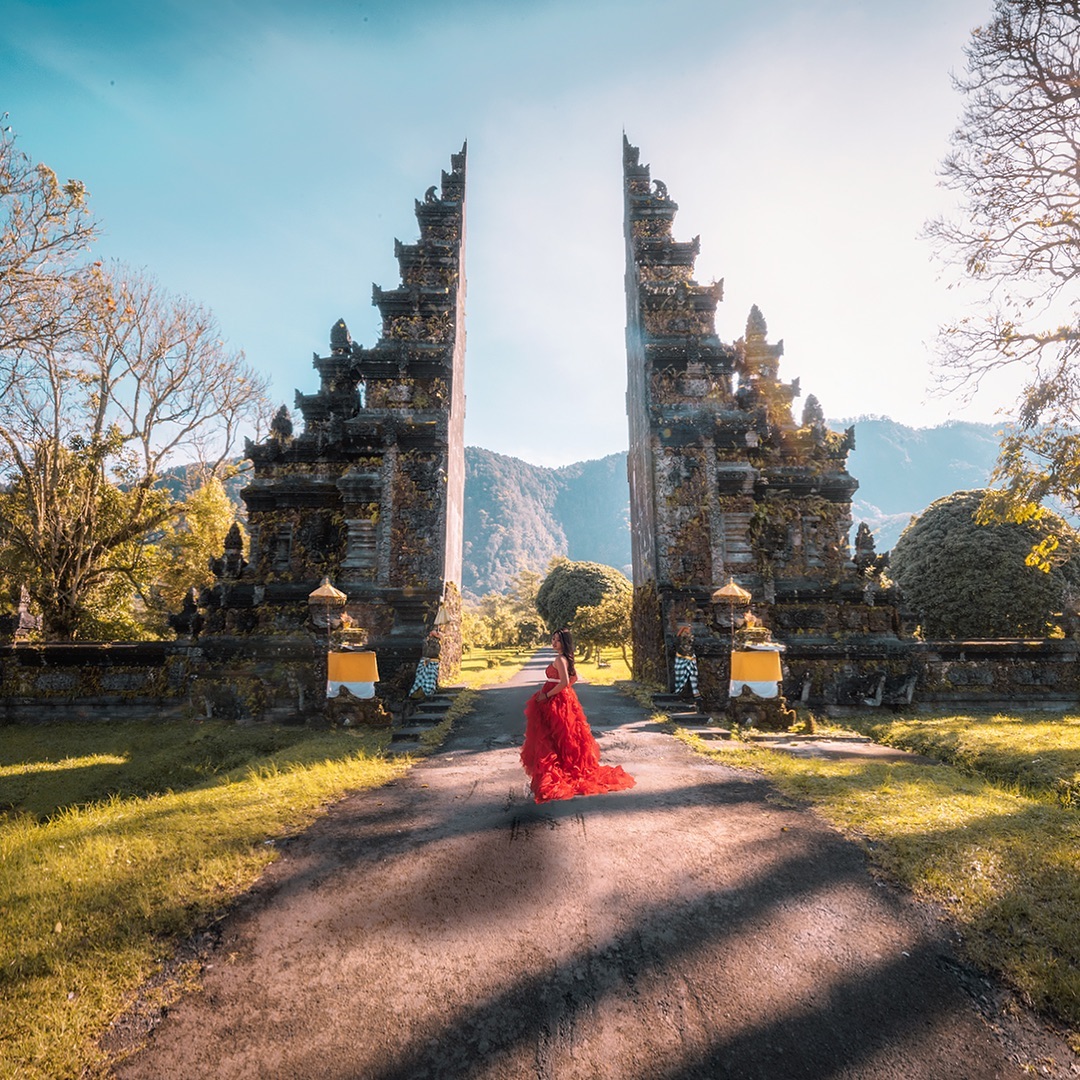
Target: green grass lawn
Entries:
(615, 670)
(117, 839)
(992, 833)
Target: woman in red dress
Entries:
(560, 754)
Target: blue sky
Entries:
(261, 157)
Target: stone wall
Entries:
(228, 677)
(953, 676)
(223, 677)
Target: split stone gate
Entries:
(725, 485)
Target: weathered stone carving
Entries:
(188, 621)
(371, 491)
(723, 481)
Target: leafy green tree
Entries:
(523, 589)
(966, 578)
(1015, 163)
(607, 624)
(498, 613)
(179, 557)
(473, 630)
(66, 534)
(507, 621)
(570, 586)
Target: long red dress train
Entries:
(560, 754)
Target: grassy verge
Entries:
(1039, 753)
(115, 840)
(990, 839)
(464, 703)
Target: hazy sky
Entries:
(262, 157)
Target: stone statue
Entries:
(188, 621)
(281, 427)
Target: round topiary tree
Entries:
(963, 579)
(572, 585)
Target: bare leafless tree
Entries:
(45, 230)
(1016, 164)
(106, 381)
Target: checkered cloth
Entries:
(427, 676)
(686, 670)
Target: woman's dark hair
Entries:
(563, 635)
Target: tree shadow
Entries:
(855, 1013)
(854, 1019)
(860, 1013)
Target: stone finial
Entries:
(188, 622)
(340, 338)
(756, 327)
(281, 427)
(232, 562)
(865, 552)
(812, 414)
(233, 540)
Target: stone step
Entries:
(432, 705)
(443, 697)
(708, 731)
(408, 734)
(672, 701)
(431, 719)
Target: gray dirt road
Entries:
(696, 926)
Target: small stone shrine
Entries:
(724, 482)
(371, 492)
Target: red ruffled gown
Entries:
(560, 754)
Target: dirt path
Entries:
(696, 926)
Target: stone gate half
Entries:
(724, 483)
(371, 492)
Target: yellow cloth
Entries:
(755, 666)
(356, 672)
(352, 667)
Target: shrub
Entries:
(969, 580)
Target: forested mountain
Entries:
(902, 470)
(517, 516)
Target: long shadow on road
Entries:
(694, 926)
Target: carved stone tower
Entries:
(723, 482)
(371, 493)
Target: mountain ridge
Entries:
(519, 516)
